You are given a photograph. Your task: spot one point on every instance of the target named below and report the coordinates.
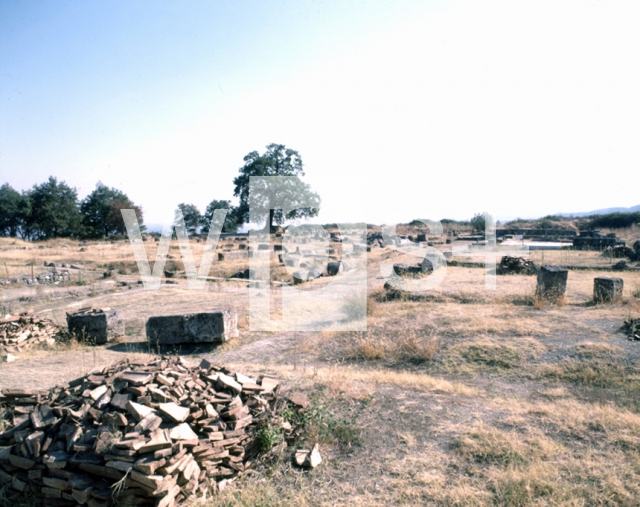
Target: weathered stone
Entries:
(552, 283)
(314, 273)
(182, 432)
(228, 256)
(176, 412)
(607, 290)
(425, 267)
(333, 268)
(101, 326)
(150, 422)
(516, 265)
(292, 262)
(207, 327)
(620, 266)
(307, 458)
(138, 411)
(299, 399)
(226, 382)
(299, 277)
(245, 274)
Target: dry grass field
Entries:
(467, 398)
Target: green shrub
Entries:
(268, 437)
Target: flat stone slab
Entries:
(102, 325)
(206, 327)
(229, 256)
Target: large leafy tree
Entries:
(276, 161)
(12, 205)
(115, 222)
(101, 215)
(478, 222)
(192, 217)
(54, 210)
(230, 222)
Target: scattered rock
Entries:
(314, 273)
(516, 266)
(620, 251)
(620, 266)
(299, 399)
(22, 332)
(299, 277)
(333, 268)
(64, 446)
(306, 458)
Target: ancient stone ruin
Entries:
(621, 252)
(98, 325)
(552, 283)
(596, 240)
(516, 266)
(414, 270)
(607, 290)
(205, 327)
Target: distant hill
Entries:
(601, 212)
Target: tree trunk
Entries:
(271, 215)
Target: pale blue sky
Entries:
(399, 110)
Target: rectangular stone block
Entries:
(99, 325)
(607, 290)
(228, 256)
(206, 327)
(552, 283)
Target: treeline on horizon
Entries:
(52, 210)
(616, 220)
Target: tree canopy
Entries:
(478, 222)
(54, 209)
(276, 161)
(100, 211)
(231, 223)
(12, 208)
(191, 216)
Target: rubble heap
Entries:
(150, 432)
(516, 266)
(18, 332)
(632, 328)
(620, 252)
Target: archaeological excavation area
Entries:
(524, 393)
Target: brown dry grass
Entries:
(17, 256)
(491, 355)
(476, 397)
